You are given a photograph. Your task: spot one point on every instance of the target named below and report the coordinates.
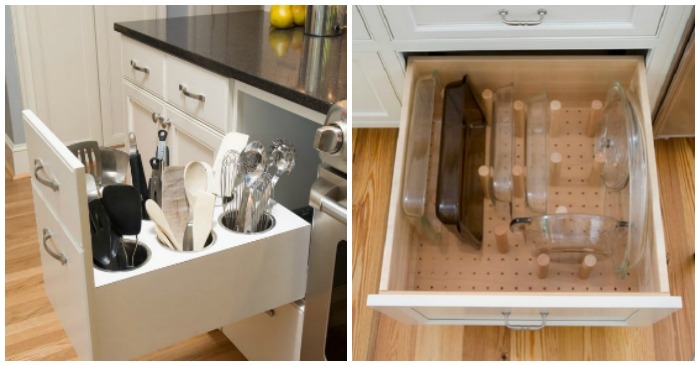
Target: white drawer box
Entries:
(201, 93)
(274, 335)
(459, 22)
(143, 65)
(423, 282)
(174, 295)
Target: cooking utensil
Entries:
(89, 154)
(100, 229)
(123, 205)
(227, 176)
(155, 188)
(162, 151)
(163, 238)
(202, 221)
(138, 177)
(158, 219)
(197, 176)
(252, 162)
(114, 165)
(174, 205)
(459, 196)
(280, 159)
(91, 187)
(232, 141)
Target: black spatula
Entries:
(100, 232)
(123, 205)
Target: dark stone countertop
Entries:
(310, 71)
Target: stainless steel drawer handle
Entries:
(39, 165)
(143, 69)
(543, 322)
(334, 210)
(57, 256)
(187, 93)
(540, 12)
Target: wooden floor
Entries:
(378, 337)
(32, 329)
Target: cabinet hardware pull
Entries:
(164, 122)
(334, 210)
(543, 314)
(143, 69)
(59, 257)
(540, 12)
(271, 312)
(39, 165)
(199, 97)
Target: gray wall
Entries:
(13, 96)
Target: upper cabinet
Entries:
(383, 36)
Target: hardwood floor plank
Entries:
(439, 343)
(486, 343)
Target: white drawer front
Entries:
(198, 92)
(57, 173)
(142, 65)
(455, 22)
(64, 269)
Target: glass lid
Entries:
(612, 139)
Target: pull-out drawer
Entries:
(199, 92)
(449, 282)
(172, 295)
(143, 65)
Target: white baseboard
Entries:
(19, 157)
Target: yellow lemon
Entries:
(281, 16)
(299, 13)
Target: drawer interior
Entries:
(415, 261)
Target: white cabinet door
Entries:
(109, 61)
(140, 109)
(375, 102)
(459, 22)
(190, 140)
(61, 81)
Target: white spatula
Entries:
(203, 217)
(158, 218)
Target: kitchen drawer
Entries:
(274, 335)
(143, 65)
(461, 22)
(173, 295)
(449, 282)
(56, 174)
(199, 92)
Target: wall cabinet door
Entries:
(375, 102)
(140, 109)
(190, 140)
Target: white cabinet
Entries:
(173, 295)
(373, 96)
(396, 32)
(190, 140)
(142, 110)
(447, 282)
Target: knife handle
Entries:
(162, 135)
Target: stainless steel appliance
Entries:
(324, 335)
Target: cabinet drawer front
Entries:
(142, 65)
(66, 281)
(455, 22)
(199, 92)
(191, 140)
(57, 174)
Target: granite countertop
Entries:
(310, 71)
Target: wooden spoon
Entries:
(158, 218)
(203, 217)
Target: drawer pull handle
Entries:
(39, 165)
(143, 69)
(199, 97)
(59, 257)
(334, 210)
(540, 12)
(543, 314)
(164, 122)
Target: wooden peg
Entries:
(485, 177)
(554, 112)
(519, 118)
(561, 210)
(487, 97)
(594, 118)
(596, 169)
(589, 261)
(501, 233)
(542, 265)
(554, 168)
(518, 181)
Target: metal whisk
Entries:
(229, 196)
